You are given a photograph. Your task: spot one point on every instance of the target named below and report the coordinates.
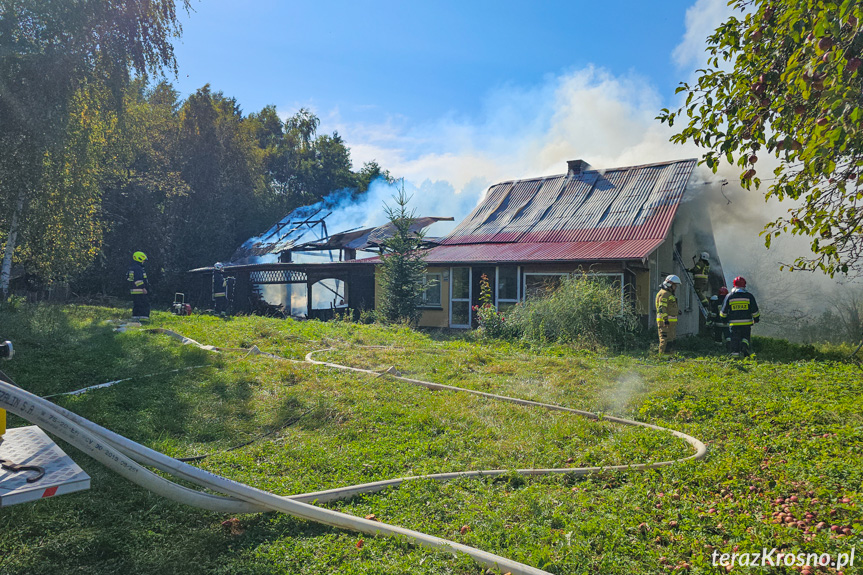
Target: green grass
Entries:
(775, 427)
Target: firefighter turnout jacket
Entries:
(715, 305)
(666, 307)
(220, 285)
(739, 308)
(701, 271)
(137, 279)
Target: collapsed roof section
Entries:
(368, 238)
(305, 229)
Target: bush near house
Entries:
(582, 311)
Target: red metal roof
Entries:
(620, 213)
(542, 251)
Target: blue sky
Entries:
(419, 60)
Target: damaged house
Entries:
(628, 226)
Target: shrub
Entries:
(492, 323)
(582, 310)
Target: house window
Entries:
(432, 290)
(506, 293)
(536, 284)
(460, 294)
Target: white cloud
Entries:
(702, 18)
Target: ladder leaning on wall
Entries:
(691, 281)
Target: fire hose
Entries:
(128, 459)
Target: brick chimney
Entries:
(576, 167)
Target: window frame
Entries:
(497, 299)
(427, 278)
(469, 298)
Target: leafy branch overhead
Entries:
(794, 91)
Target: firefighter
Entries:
(720, 324)
(139, 287)
(220, 289)
(741, 311)
(713, 314)
(700, 273)
(666, 313)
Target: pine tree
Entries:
(403, 268)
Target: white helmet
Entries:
(672, 279)
(705, 256)
(219, 266)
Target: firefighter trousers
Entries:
(140, 305)
(721, 334)
(667, 334)
(740, 337)
(221, 304)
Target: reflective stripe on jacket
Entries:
(701, 270)
(137, 279)
(740, 308)
(666, 306)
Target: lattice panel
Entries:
(278, 277)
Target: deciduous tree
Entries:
(52, 52)
(783, 78)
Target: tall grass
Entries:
(583, 311)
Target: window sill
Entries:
(431, 307)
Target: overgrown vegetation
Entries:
(492, 323)
(582, 311)
(779, 427)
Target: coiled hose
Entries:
(128, 459)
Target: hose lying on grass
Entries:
(128, 459)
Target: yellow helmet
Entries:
(139, 257)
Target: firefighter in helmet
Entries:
(700, 274)
(139, 287)
(666, 313)
(720, 324)
(741, 312)
(220, 289)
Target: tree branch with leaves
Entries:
(794, 90)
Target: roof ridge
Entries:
(598, 170)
